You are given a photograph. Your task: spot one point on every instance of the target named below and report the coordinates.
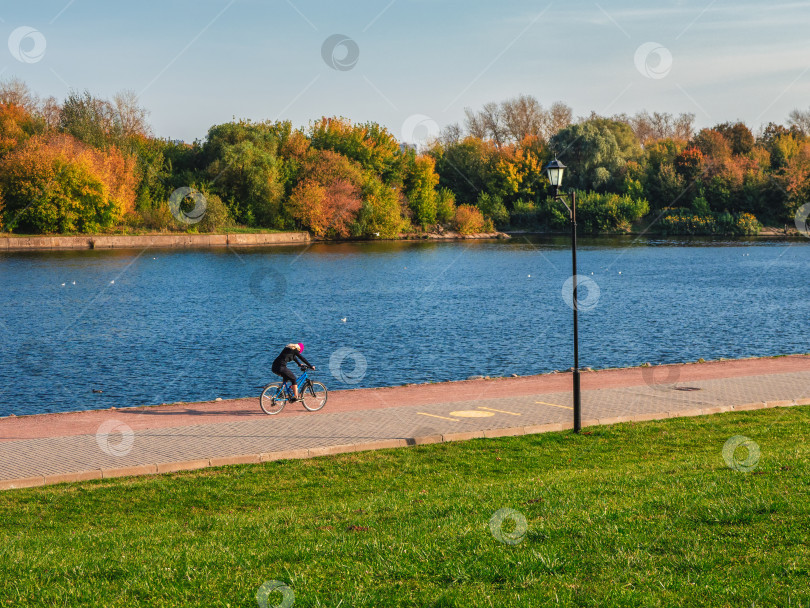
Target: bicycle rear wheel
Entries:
(272, 399)
(313, 396)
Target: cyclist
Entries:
(291, 352)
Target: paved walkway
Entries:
(54, 448)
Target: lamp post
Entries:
(555, 171)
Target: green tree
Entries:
(465, 168)
(492, 207)
(420, 189)
(244, 168)
(445, 205)
(593, 155)
(381, 213)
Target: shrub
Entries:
(747, 224)
(684, 221)
(525, 213)
(598, 212)
(217, 215)
(470, 220)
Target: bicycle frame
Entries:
(286, 387)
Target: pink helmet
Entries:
(300, 347)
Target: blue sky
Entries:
(195, 63)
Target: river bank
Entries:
(124, 241)
(184, 240)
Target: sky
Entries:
(413, 65)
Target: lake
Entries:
(154, 326)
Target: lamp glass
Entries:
(555, 172)
(555, 175)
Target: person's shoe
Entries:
(292, 399)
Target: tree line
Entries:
(87, 164)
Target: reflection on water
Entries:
(158, 325)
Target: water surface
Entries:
(153, 326)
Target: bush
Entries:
(469, 220)
(158, 217)
(747, 224)
(597, 212)
(684, 221)
(525, 213)
(217, 215)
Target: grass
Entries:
(629, 515)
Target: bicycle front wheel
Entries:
(314, 396)
(272, 399)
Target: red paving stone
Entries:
(192, 414)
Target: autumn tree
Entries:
(329, 195)
(513, 120)
(16, 92)
(738, 135)
(690, 164)
(58, 184)
(660, 125)
(16, 125)
(800, 119)
(372, 146)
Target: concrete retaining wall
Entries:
(16, 243)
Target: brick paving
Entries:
(36, 450)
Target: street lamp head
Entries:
(555, 171)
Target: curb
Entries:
(383, 444)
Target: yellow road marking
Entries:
(435, 416)
(471, 414)
(492, 409)
(554, 405)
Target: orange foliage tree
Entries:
(16, 125)
(57, 184)
(328, 197)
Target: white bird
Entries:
(530, 276)
(620, 272)
(113, 281)
(74, 282)
(63, 284)
(376, 234)
(343, 319)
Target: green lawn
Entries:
(629, 515)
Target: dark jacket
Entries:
(287, 355)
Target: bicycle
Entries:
(276, 395)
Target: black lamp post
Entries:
(555, 171)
